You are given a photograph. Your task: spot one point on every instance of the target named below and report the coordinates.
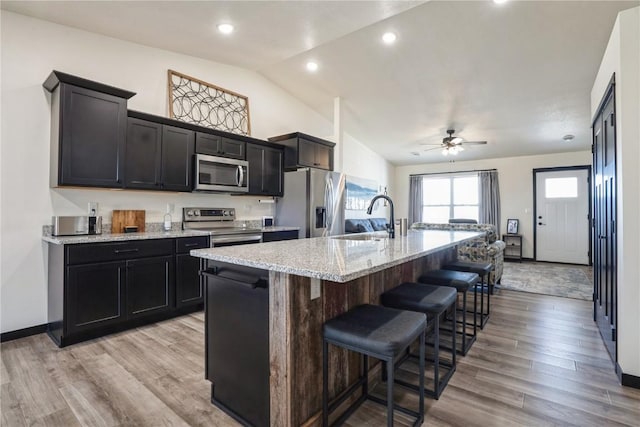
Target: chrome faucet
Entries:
(391, 228)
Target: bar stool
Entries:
(433, 301)
(380, 332)
(462, 282)
(483, 270)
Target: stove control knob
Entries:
(226, 213)
(197, 213)
(189, 213)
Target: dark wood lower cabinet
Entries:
(188, 281)
(99, 288)
(149, 286)
(95, 295)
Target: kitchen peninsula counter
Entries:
(309, 282)
(339, 258)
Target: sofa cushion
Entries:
(378, 224)
(357, 226)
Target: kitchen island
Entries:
(313, 280)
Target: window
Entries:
(451, 196)
(555, 188)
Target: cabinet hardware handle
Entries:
(125, 251)
(189, 245)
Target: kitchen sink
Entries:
(375, 237)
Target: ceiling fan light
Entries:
(456, 140)
(445, 152)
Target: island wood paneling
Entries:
(296, 335)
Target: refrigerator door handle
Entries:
(327, 204)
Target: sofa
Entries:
(364, 225)
(486, 248)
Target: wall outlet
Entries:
(315, 288)
(170, 208)
(92, 208)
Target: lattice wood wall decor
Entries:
(194, 101)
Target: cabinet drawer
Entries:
(113, 251)
(276, 236)
(185, 244)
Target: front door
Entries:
(562, 215)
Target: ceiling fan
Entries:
(452, 144)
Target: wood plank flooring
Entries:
(539, 361)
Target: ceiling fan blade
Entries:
(434, 148)
(439, 144)
(475, 142)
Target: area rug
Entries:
(571, 281)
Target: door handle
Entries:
(541, 223)
(240, 175)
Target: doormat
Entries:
(571, 281)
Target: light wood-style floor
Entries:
(538, 362)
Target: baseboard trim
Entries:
(626, 379)
(23, 333)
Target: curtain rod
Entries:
(448, 173)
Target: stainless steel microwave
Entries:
(221, 174)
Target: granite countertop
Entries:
(336, 258)
(119, 237)
(276, 228)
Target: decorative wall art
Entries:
(200, 103)
(359, 192)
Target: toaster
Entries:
(76, 225)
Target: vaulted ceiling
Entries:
(518, 74)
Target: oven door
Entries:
(221, 174)
(234, 240)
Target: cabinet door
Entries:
(149, 286)
(207, 144)
(177, 158)
(232, 148)
(323, 157)
(143, 152)
(255, 158)
(188, 282)
(93, 131)
(272, 171)
(306, 153)
(95, 296)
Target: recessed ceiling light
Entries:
(389, 38)
(500, 1)
(568, 138)
(312, 66)
(225, 28)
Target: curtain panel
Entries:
(415, 199)
(489, 198)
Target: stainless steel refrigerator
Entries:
(313, 201)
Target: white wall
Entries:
(30, 50)
(515, 176)
(623, 57)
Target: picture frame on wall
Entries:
(512, 226)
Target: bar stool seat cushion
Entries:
(480, 268)
(460, 280)
(375, 329)
(420, 297)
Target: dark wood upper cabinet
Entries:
(265, 169)
(177, 158)
(143, 154)
(88, 129)
(215, 145)
(303, 150)
(158, 157)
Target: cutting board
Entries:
(122, 218)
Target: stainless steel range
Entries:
(220, 223)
